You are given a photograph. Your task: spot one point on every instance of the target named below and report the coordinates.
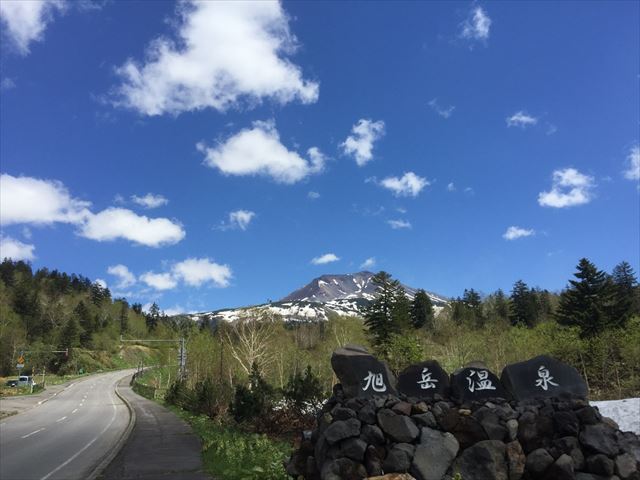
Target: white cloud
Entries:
(239, 219)
(569, 188)
(521, 119)
(15, 249)
(326, 258)
(258, 151)
(444, 112)
(469, 191)
(368, 263)
(633, 164)
(399, 224)
(197, 271)
(25, 21)
(224, 52)
(360, 144)
(514, 233)
(7, 84)
(114, 223)
(313, 195)
(451, 187)
(123, 274)
(159, 281)
(101, 282)
(409, 185)
(150, 200)
(32, 200)
(476, 26)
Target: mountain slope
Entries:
(327, 295)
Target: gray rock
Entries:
(562, 469)
(588, 415)
(434, 454)
(566, 423)
(353, 448)
(372, 435)
(342, 413)
(399, 458)
(367, 415)
(538, 461)
(599, 438)
(353, 366)
(402, 408)
(512, 429)
(342, 429)
(626, 466)
(399, 428)
(373, 461)
(342, 468)
(483, 461)
(425, 420)
(515, 460)
(600, 465)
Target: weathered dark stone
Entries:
(534, 431)
(468, 431)
(418, 408)
(399, 458)
(599, 438)
(538, 461)
(512, 428)
(483, 461)
(342, 469)
(473, 384)
(342, 429)
(629, 443)
(566, 423)
(561, 469)
(425, 420)
(402, 408)
(353, 448)
(588, 415)
(515, 460)
(399, 428)
(600, 464)
(361, 374)
(626, 466)
(367, 414)
(542, 376)
(342, 413)
(372, 435)
(434, 454)
(373, 461)
(447, 418)
(571, 447)
(424, 380)
(490, 422)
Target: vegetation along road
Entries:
(68, 436)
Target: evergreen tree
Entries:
(500, 305)
(86, 322)
(152, 317)
(70, 335)
(523, 310)
(137, 308)
(422, 311)
(124, 317)
(473, 303)
(379, 315)
(625, 289)
(587, 301)
(401, 312)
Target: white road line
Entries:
(32, 433)
(61, 419)
(72, 458)
(75, 410)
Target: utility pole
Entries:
(182, 351)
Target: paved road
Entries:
(67, 436)
(161, 445)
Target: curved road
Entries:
(67, 436)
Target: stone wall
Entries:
(552, 438)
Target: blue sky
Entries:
(207, 155)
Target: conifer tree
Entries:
(522, 310)
(86, 322)
(153, 317)
(587, 301)
(379, 315)
(124, 317)
(473, 303)
(422, 311)
(70, 335)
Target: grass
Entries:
(231, 454)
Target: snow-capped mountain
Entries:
(328, 295)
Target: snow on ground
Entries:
(626, 413)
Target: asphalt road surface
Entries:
(67, 436)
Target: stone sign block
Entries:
(361, 374)
(472, 383)
(423, 380)
(543, 376)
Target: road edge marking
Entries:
(108, 458)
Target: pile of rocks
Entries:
(554, 438)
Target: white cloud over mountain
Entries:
(632, 171)
(324, 259)
(198, 271)
(159, 281)
(224, 52)
(27, 200)
(258, 151)
(513, 233)
(15, 249)
(125, 278)
(150, 200)
(409, 185)
(359, 144)
(25, 21)
(569, 188)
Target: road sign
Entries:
(21, 359)
(19, 366)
